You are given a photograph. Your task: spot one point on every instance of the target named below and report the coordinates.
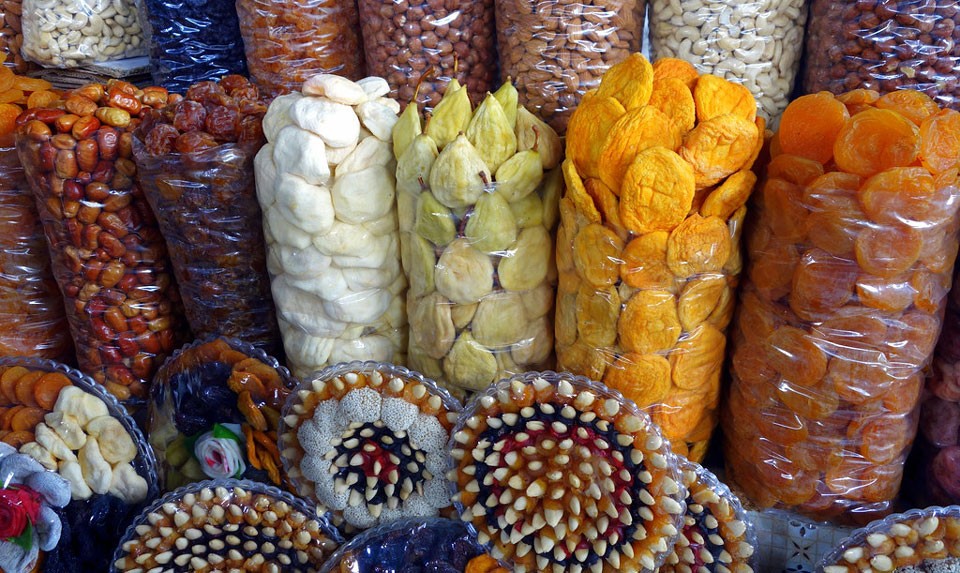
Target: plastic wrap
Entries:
(431, 42)
(31, 308)
(917, 541)
(476, 215)
(200, 183)
(557, 50)
(326, 186)
(71, 33)
(279, 531)
(11, 36)
(756, 43)
(394, 420)
(214, 412)
(557, 449)
(108, 256)
(290, 40)
(407, 544)
(648, 249)
(192, 41)
(851, 258)
(884, 46)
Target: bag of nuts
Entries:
(477, 195)
(195, 166)
(884, 45)
(326, 185)
(557, 50)
(409, 40)
(11, 36)
(756, 43)
(68, 34)
(288, 41)
(108, 256)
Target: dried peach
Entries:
(657, 191)
(729, 195)
(697, 360)
(676, 68)
(887, 294)
(583, 359)
(810, 125)
(940, 141)
(597, 313)
(606, 202)
(566, 317)
(645, 262)
(577, 193)
(876, 140)
(715, 96)
(643, 378)
(699, 299)
(679, 414)
(673, 98)
(638, 129)
(698, 245)
(719, 147)
(762, 135)
(649, 323)
(911, 104)
(906, 195)
(887, 251)
(822, 283)
(793, 353)
(629, 81)
(784, 209)
(589, 125)
(597, 255)
(795, 169)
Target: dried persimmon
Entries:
(906, 195)
(715, 96)
(588, 126)
(887, 251)
(810, 125)
(876, 140)
(657, 191)
(638, 129)
(629, 81)
(606, 202)
(8, 116)
(793, 353)
(911, 104)
(645, 262)
(784, 209)
(597, 312)
(672, 97)
(698, 245)
(887, 294)
(719, 147)
(821, 284)
(729, 195)
(940, 141)
(676, 68)
(795, 169)
(649, 323)
(597, 255)
(643, 378)
(577, 193)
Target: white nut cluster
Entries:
(88, 447)
(67, 34)
(756, 43)
(326, 186)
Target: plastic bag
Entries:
(556, 50)
(191, 41)
(433, 42)
(70, 33)
(410, 419)
(277, 528)
(108, 256)
(884, 46)
(214, 412)
(31, 308)
(649, 243)
(326, 187)
(849, 271)
(290, 40)
(756, 43)
(11, 36)
(206, 204)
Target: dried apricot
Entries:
(649, 323)
(698, 245)
(715, 96)
(577, 193)
(26, 419)
(7, 415)
(645, 262)
(905, 195)
(939, 250)
(697, 360)
(11, 96)
(857, 380)
(887, 294)
(781, 426)
(940, 141)
(589, 125)
(566, 317)
(48, 388)
(719, 147)
(887, 251)
(823, 192)
(903, 394)
(772, 268)
(750, 365)
(876, 140)
(795, 169)
(676, 68)
(8, 116)
(629, 81)
(657, 191)
(672, 97)
(929, 290)
(730, 195)
(699, 298)
(31, 84)
(7, 78)
(882, 438)
(597, 255)
(606, 202)
(597, 313)
(762, 135)
(881, 482)
(643, 378)
(24, 389)
(813, 403)
(784, 209)
(42, 98)
(810, 125)
(859, 96)
(638, 129)
(822, 283)
(18, 439)
(845, 332)
(756, 322)
(911, 104)
(912, 337)
(793, 353)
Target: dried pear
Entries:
(469, 364)
(497, 322)
(434, 222)
(509, 100)
(431, 325)
(420, 264)
(530, 260)
(528, 212)
(491, 133)
(415, 165)
(459, 175)
(407, 129)
(520, 175)
(552, 188)
(532, 133)
(463, 274)
(451, 116)
(491, 227)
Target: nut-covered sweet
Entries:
(430, 41)
(11, 36)
(288, 41)
(109, 258)
(757, 44)
(918, 49)
(557, 50)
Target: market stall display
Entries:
(227, 524)
(108, 256)
(850, 260)
(195, 166)
(557, 50)
(214, 413)
(326, 185)
(368, 441)
(657, 177)
(477, 199)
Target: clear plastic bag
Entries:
(70, 33)
(326, 187)
(31, 308)
(290, 40)
(557, 50)
(884, 46)
(477, 211)
(351, 408)
(191, 41)
(851, 258)
(108, 256)
(648, 249)
(220, 397)
(11, 36)
(430, 42)
(756, 43)
(277, 529)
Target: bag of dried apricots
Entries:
(658, 172)
(851, 258)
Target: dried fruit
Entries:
(810, 126)
(491, 133)
(459, 175)
(638, 129)
(876, 140)
(657, 191)
(491, 228)
(698, 245)
(642, 378)
(715, 96)
(597, 254)
(594, 119)
(630, 82)
(719, 147)
(649, 322)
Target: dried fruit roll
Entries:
(851, 259)
(477, 199)
(658, 172)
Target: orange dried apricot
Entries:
(784, 209)
(857, 380)
(762, 135)
(26, 419)
(597, 312)
(715, 96)
(905, 195)
(597, 255)
(887, 251)
(672, 97)
(795, 169)
(48, 388)
(698, 245)
(730, 195)
(699, 298)
(679, 414)
(887, 294)
(31, 84)
(781, 426)
(929, 290)
(643, 378)
(939, 250)
(24, 389)
(8, 116)
(657, 191)
(940, 141)
(635, 131)
(821, 284)
(903, 394)
(649, 323)
(750, 365)
(881, 482)
(912, 337)
(629, 81)
(577, 193)
(876, 140)
(859, 96)
(858, 330)
(810, 125)
(11, 96)
(793, 353)
(911, 104)
(645, 262)
(42, 98)
(7, 78)
(605, 201)
(882, 438)
(589, 125)
(676, 68)
(756, 321)
(772, 269)
(719, 147)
